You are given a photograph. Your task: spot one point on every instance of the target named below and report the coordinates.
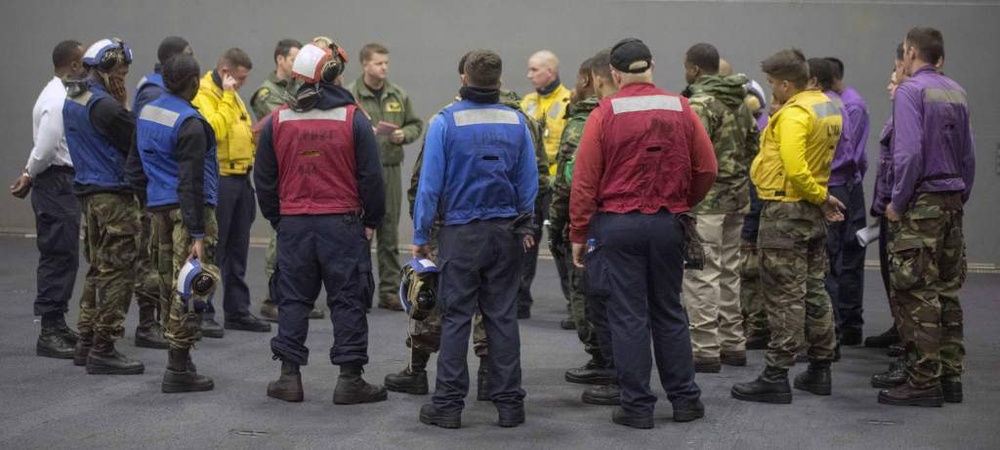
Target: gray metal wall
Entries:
(426, 39)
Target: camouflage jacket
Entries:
(510, 100)
(576, 117)
(719, 103)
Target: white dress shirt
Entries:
(49, 136)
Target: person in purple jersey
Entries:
(845, 282)
(933, 166)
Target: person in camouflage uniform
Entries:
(174, 163)
(931, 177)
(712, 295)
(598, 370)
(99, 133)
(790, 173)
(424, 336)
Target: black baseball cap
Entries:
(631, 55)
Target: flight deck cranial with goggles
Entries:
(105, 54)
(313, 65)
(418, 287)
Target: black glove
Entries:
(694, 254)
(524, 225)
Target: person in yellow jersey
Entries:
(547, 106)
(218, 101)
(791, 173)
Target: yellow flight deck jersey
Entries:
(550, 111)
(230, 121)
(796, 150)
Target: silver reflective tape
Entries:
(141, 82)
(485, 116)
(159, 115)
(826, 109)
(645, 103)
(336, 114)
(938, 95)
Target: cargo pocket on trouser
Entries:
(366, 280)
(908, 264)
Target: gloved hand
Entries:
(694, 253)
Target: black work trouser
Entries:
(57, 224)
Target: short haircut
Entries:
(587, 66)
(822, 70)
(170, 46)
(66, 53)
(601, 64)
(704, 56)
(483, 68)
(838, 67)
(284, 47)
(179, 71)
(370, 50)
(929, 43)
(236, 57)
(461, 63)
(788, 65)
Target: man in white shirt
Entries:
(57, 211)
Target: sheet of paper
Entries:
(868, 234)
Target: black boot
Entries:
(610, 395)
(269, 310)
(511, 417)
(431, 416)
(895, 376)
(105, 360)
(209, 328)
(288, 386)
(815, 379)
(952, 391)
(906, 395)
(896, 350)
(52, 344)
(412, 379)
(484, 380)
(594, 372)
(180, 375)
(352, 389)
(149, 334)
(889, 337)
(83, 346)
(623, 417)
(770, 387)
(567, 324)
(689, 412)
(57, 322)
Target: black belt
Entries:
(61, 169)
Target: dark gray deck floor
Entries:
(48, 403)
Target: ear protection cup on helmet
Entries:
(113, 55)
(335, 66)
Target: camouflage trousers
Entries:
(111, 227)
(793, 268)
(270, 257)
(147, 281)
(751, 294)
(171, 253)
(577, 300)
(927, 269)
(425, 335)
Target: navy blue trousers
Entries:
(328, 251)
(637, 264)
(57, 224)
(480, 266)
(845, 281)
(235, 212)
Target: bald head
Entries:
(543, 69)
(724, 68)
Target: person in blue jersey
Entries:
(480, 176)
